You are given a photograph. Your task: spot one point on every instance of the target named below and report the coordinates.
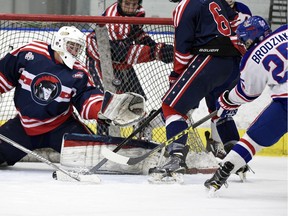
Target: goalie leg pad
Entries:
(83, 151)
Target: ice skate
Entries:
(171, 172)
(242, 172)
(217, 148)
(220, 177)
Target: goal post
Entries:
(150, 76)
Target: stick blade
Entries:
(112, 156)
(88, 178)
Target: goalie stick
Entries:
(76, 176)
(111, 155)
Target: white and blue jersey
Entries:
(264, 64)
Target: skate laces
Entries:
(173, 161)
(221, 175)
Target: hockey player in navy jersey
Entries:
(265, 63)
(49, 84)
(214, 143)
(206, 61)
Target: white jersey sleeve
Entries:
(264, 64)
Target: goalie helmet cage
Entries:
(149, 76)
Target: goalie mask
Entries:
(69, 42)
(253, 30)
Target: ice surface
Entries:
(27, 189)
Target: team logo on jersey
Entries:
(78, 75)
(45, 88)
(29, 56)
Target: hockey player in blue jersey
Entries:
(265, 63)
(206, 62)
(49, 84)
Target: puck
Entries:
(54, 175)
(116, 82)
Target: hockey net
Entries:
(17, 30)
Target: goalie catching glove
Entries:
(225, 107)
(122, 109)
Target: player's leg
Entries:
(13, 130)
(223, 130)
(190, 88)
(53, 139)
(267, 129)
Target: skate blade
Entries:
(158, 178)
(212, 192)
(85, 178)
(242, 176)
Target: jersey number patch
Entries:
(222, 23)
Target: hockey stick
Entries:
(124, 142)
(75, 176)
(108, 154)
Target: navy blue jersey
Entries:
(242, 8)
(198, 22)
(45, 90)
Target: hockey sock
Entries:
(227, 130)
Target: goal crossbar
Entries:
(86, 19)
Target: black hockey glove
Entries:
(173, 77)
(164, 52)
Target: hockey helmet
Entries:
(253, 30)
(69, 42)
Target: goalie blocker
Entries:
(82, 151)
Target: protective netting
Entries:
(141, 63)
